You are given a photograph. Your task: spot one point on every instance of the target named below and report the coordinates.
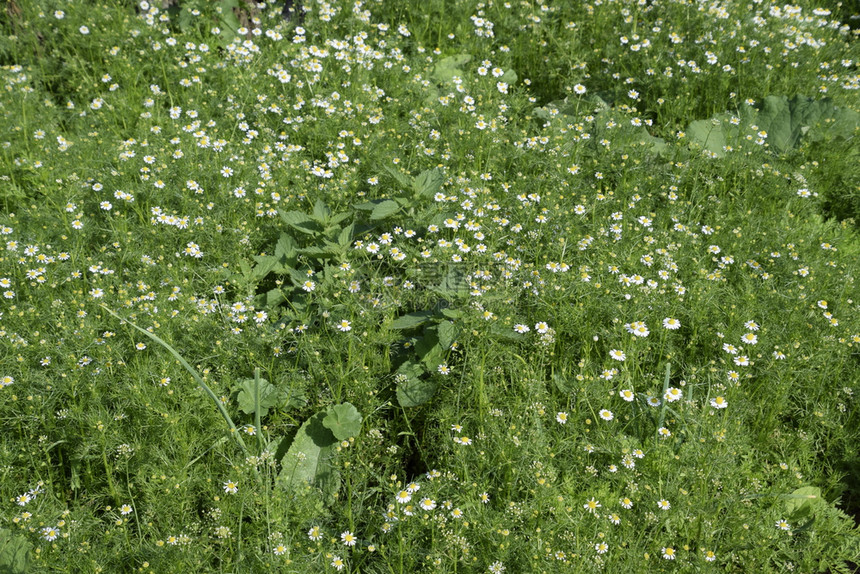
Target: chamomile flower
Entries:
(50, 533)
(315, 533)
(627, 395)
(719, 402)
(617, 355)
(231, 487)
(561, 417)
(601, 547)
(592, 505)
(669, 553)
(403, 497)
(671, 324)
(348, 538)
(782, 524)
(663, 504)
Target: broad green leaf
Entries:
(785, 123)
(411, 320)
(413, 393)
(428, 182)
(505, 333)
(298, 277)
(14, 553)
(401, 177)
(186, 18)
(333, 220)
(775, 117)
(429, 350)
(300, 222)
(343, 420)
(368, 205)
(452, 313)
(842, 124)
(269, 396)
(655, 145)
(709, 134)
(308, 460)
(293, 398)
(286, 247)
(447, 68)
(801, 502)
(385, 209)
(447, 332)
(509, 77)
(572, 107)
(411, 370)
(330, 250)
(265, 265)
(344, 238)
(561, 383)
(274, 297)
(228, 21)
(453, 284)
(321, 211)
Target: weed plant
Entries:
(462, 286)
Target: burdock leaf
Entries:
(308, 460)
(415, 392)
(14, 553)
(269, 396)
(343, 420)
(801, 502)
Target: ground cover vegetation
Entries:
(449, 286)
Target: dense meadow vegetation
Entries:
(442, 286)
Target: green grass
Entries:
(450, 287)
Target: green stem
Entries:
(663, 396)
(109, 473)
(257, 426)
(226, 416)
